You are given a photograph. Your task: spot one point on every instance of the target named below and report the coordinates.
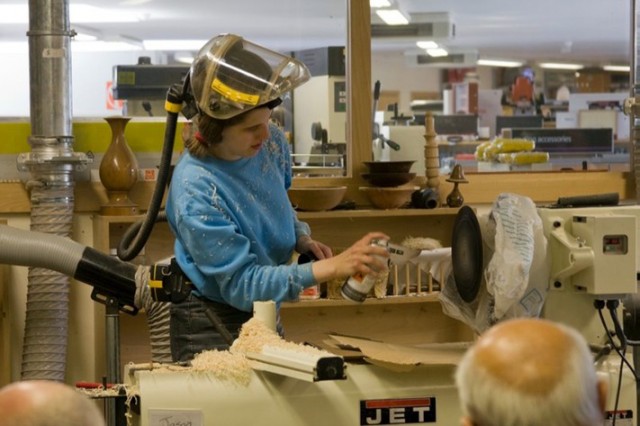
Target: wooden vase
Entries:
(118, 171)
(455, 198)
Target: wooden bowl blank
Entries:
(389, 198)
(315, 199)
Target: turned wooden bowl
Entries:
(389, 198)
(316, 199)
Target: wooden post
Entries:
(431, 153)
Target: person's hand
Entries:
(361, 257)
(306, 244)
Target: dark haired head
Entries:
(209, 130)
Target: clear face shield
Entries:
(231, 75)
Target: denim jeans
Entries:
(193, 332)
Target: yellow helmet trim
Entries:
(234, 95)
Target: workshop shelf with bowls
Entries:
(316, 199)
(390, 180)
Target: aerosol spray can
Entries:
(357, 286)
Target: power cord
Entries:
(620, 349)
(599, 305)
(612, 305)
(617, 348)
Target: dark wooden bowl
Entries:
(388, 166)
(388, 179)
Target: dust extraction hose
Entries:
(138, 233)
(108, 275)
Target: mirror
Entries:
(410, 87)
(354, 90)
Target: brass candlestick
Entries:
(118, 171)
(455, 198)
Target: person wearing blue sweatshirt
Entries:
(235, 228)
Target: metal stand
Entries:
(114, 407)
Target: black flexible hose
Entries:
(138, 233)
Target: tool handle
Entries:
(376, 90)
(393, 145)
(608, 199)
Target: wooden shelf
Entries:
(404, 319)
(352, 214)
(339, 229)
(390, 300)
(108, 231)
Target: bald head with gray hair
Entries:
(530, 372)
(46, 403)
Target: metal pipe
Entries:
(631, 109)
(634, 121)
(50, 67)
(51, 163)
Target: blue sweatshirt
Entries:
(235, 228)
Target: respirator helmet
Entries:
(231, 75)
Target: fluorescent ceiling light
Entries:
(173, 44)
(183, 57)
(78, 14)
(498, 63)
(617, 68)
(558, 66)
(437, 53)
(392, 17)
(83, 33)
(379, 3)
(84, 37)
(427, 44)
(104, 46)
(81, 46)
(7, 47)
(14, 13)
(84, 13)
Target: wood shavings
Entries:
(422, 243)
(224, 365)
(157, 367)
(233, 366)
(255, 335)
(101, 392)
(379, 289)
(113, 391)
(334, 287)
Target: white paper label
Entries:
(51, 52)
(175, 418)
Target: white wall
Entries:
(394, 74)
(89, 75)
(317, 101)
